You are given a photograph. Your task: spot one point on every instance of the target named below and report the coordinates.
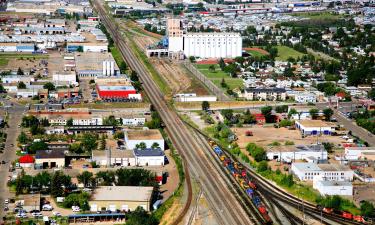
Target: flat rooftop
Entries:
(148, 152)
(92, 60)
(122, 193)
(320, 167)
(315, 123)
(152, 134)
(296, 148)
(332, 183)
(115, 153)
(115, 88)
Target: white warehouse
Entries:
(291, 153)
(330, 172)
(149, 137)
(326, 187)
(203, 45)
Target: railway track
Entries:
(222, 198)
(277, 195)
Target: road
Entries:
(222, 199)
(9, 155)
(350, 124)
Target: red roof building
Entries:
(259, 117)
(116, 92)
(26, 159)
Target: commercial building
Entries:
(133, 121)
(117, 92)
(288, 154)
(149, 157)
(64, 78)
(49, 158)
(122, 198)
(87, 46)
(358, 153)
(305, 97)
(265, 94)
(327, 187)
(203, 45)
(26, 161)
(114, 157)
(93, 64)
(77, 119)
(334, 172)
(314, 127)
(149, 137)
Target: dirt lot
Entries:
(364, 192)
(264, 136)
(55, 62)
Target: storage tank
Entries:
(108, 68)
(112, 68)
(104, 68)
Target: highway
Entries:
(221, 197)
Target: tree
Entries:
(367, 209)
(111, 121)
(292, 112)
(80, 49)
(267, 113)
(36, 129)
(49, 86)
(313, 113)
(59, 182)
(21, 85)
(328, 146)
(30, 120)
(205, 106)
(141, 217)
(328, 112)
(86, 178)
(77, 199)
(262, 166)
(76, 148)
(371, 94)
(221, 63)
(20, 71)
(211, 68)
(155, 145)
(22, 138)
(36, 146)
(135, 177)
(106, 178)
(89, 142)
(2, 89)
(141, 145)
(69, 122)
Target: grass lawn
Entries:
(255, 53)
(319, 15)
(3, 62)
(217, 74)
(285, 52)
(231, 82)
(23, 55)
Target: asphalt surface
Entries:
(9, 155)
(220, 196)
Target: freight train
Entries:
(241, 176)
(342, 214)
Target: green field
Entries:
(255, 53)
(319, 15)
(217, 76)
(285, 52)
(3, 62)
(23, 55)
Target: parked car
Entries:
(47, 207)
(76, 208)
(37, 214)
(21, 215)
(56, 213)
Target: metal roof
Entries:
(95, 215)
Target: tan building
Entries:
(265, 94)
(122, 198)
(50, 158)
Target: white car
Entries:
(6, 201)
(56, 213)
(47, 207)
(37, 214)
(76, 208)
(21, 215)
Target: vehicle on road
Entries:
(47, 207)
(56, 213)
(76, 208)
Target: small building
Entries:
(50, 158)
(26, 161)
(260, 118)
(149, 157)
(114, 157)
(149, 137)
(314, 127)
(91, 128)
(303, 112)
(291, 153)
(133, 121)
(305, 97)
(334, 172)
(55, 130)
(265, 94)
(357, 153)
(122, 198)
(62, 78)
(25, 47)
(27, 93)
(330, 187)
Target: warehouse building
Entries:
(314, 127)
(122, 198)
(114, 157)
(329, 187)
(330, 172)
(93, 64)
(149, 157)
(203, 45)
(149, 137)
(357, 153)
(117, 92)
(288, 154)
(45, 159)
(64, 78)
(87, 47)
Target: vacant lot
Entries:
(264, 136)
(217, 75)
(285, 52)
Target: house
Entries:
(122, 198)
(335, 172)
(314, 127)
(55, 130)
(27, 93)
(50, 158)
(357, 153)
(296, 152)
(305, 97)
(265, 94)
(303, 112)
(260, 118)
(330, 187)
(77, 119)
(149, 157)
(117, 157)
(149, 137)
(133, 121)
(26, 161)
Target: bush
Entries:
(262, 166)
(256, 152)
(286, 123)
(75, 199)
(289, 143)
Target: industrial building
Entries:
(330, 172)
(358, 153)
(93, 64)
(203, 45)
(50, 158)
(149, 137)
(329, 187)
(265, 94)
(314, 127)
(114, 157)
(87, 47)
(117, 92)
(122, 198)
(149, 157)
(288, 154)
(64, 78)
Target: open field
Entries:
(256, 52)
(231, 82)
(264, 136)
(3, 62)
(318, 15)
(285, 52)
(23, 55)
(217, 76)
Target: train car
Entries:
(252, 185)
(327, 210)
(347, 215)
(359, 219)
(250, 192)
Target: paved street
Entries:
(15, 116)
